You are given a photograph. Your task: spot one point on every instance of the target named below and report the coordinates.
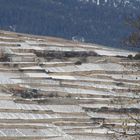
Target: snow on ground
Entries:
(56, 48)
(6, 78)
(124, 76)
(47, 63)
(62, 77)
(87, 91)
(74, 99)
(66, 108)
(25, 45)
(7, 37)
(101, 85)
(32, 68)
(115, 52)
(88, 67)
(36, 75)
(12, 43)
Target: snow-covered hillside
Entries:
(56, 89)
(96, 21)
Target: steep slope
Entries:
(101, 22)
(55, 89)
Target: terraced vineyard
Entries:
(57, 89)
